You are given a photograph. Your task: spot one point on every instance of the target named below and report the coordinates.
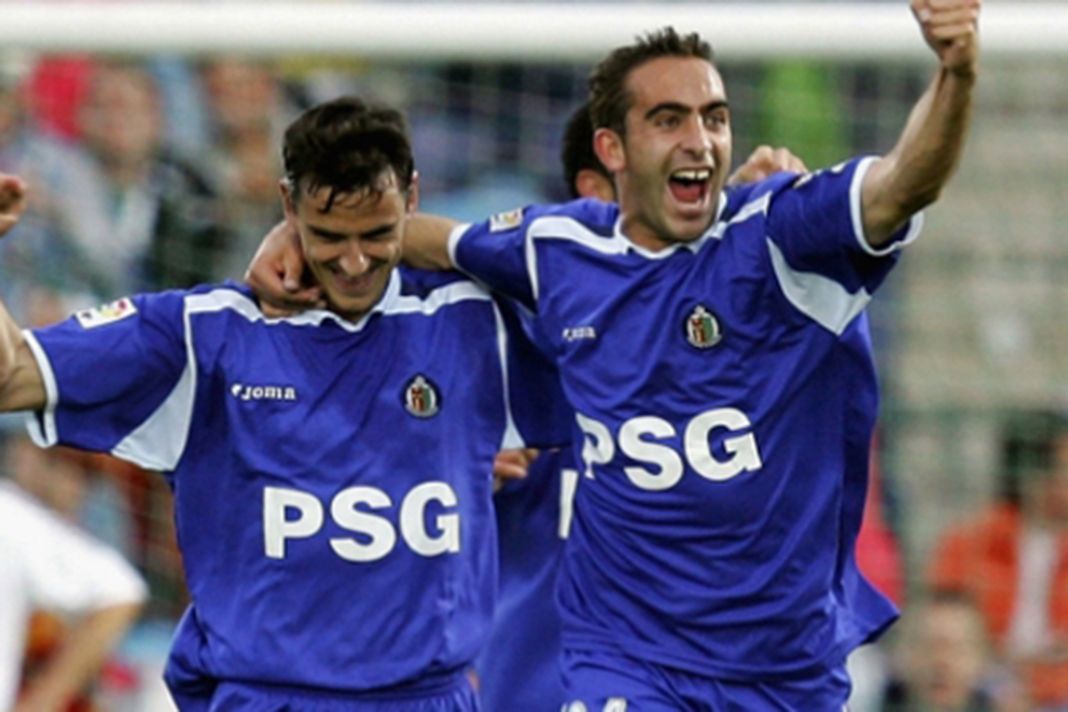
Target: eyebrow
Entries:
(326, 234)
(378, 231)
(684, 108)
(369, 235)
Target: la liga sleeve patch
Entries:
(106, 313)
(506, 221)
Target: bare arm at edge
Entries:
(913, 174)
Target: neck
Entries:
(642, 235)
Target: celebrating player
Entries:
(519, 669)
(722, 381)
(331, 471)
(710, 348)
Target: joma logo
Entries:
(245, 392)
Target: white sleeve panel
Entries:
(157, 443)
(42, 426)
(454, 239)
(820, 298)
(512, 438)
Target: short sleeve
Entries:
(110, 369)
(815, 242)
(815, 223)
(500, 253)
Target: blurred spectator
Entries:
(51, 565)
(945, 661)
(247, 109)
(27, 153)
(120, 192)
(61, 479)
(112, 181)
(1013, 558)
(56, 87)
(12, 109)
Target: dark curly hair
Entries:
(577, 152)
(609, 100)
(345, 145)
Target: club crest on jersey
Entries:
(506, 221)
(702, 328)
(106, 313)
(421, 397)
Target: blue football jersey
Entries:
(519, 669)
(332, 479)
(724, 399)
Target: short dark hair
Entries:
(609, 100)
(577, 152)
(345, 145)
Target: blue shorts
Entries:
(602, 682)
(230, 696)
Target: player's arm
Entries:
(84, 649)
(914, 173)
(21, 385)
(426, 241)
(277, 268)
(276, 273)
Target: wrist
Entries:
(962, 72)
(968, 73)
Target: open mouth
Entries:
(690, 186)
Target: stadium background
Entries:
(969, 330)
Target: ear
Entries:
(286, 192)
(608, 145)
(594, 184)
(412, 203)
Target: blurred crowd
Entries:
(128, 195)
(143, 176)
(984, 624)
(152, 175)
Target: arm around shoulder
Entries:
(426, 241)
(926, 155)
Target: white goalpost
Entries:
(476, 31)
(973, 324)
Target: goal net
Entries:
(150, 134)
